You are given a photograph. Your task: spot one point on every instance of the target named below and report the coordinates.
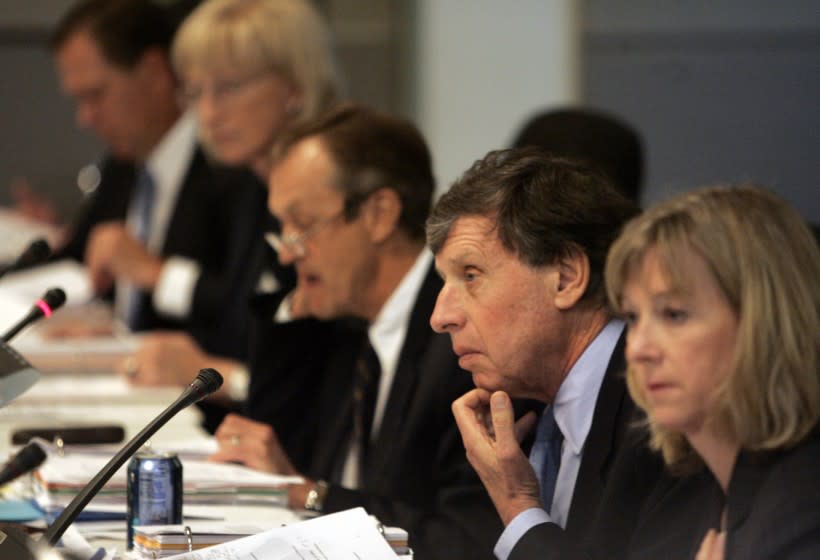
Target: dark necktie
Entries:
(550, 438)
(365, 391)
(144, 194)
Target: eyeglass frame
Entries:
(295, 241)
(219, 90)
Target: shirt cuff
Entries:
(174, 293)
(520, 524)
(238, 382)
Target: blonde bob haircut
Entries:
(767, 264)
(287, 37)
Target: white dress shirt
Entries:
(387, 334)
(167, 163)
(574, 408)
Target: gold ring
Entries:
(235, 440)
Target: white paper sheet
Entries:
(77, 469)
(347, 535)
(28, 285)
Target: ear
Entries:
(573, 278)
(380, 213)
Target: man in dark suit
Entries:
(163, 221)
(520, 241)
(372, 425)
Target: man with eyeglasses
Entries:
(352, 191)
(160, 224)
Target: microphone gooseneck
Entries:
(207, 381)
(52, 300)
(26, 460)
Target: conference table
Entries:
(85, 399)
(79, 388)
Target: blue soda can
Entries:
(154, 491)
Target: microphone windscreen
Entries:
(208, 380)
(54, 298)
(27, 459)
(31, 456)
(36, 253)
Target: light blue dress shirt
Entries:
(574, 408)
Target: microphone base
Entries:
(17, 544)
(14, 543)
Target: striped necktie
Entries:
(546, 457)
(365, 392)
(144, 194)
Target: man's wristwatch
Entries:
(315, 500)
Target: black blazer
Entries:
(773, 506)
(417, 475)
(215, 219)
(608, 436)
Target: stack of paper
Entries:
(159, 541)
(62, 477)
(350, 534)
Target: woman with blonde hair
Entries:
(720, 289)
(248, 69)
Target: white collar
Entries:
(395, 313)
(170, 159)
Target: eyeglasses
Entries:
(295, 241)
(219, 90)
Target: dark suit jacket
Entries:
(214, 222)
(774, 504)
(608, 435)
(416, 475)
(773, 507)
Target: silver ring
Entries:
(131, 367)
(235, 440)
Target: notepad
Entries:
(349, 534)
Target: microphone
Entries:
(27, 459)
(37, 252)
(53, 299)
(207, 381)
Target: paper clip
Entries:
(190, 538)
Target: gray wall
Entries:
(722, 91)
(38, 139)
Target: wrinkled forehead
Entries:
(473, 240)
(306, 176)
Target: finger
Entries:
(524, 425)
(477, 399)
(237, 425)
(719, 546)
(503, 423)
(227, 455)
(704, 552)
(468, 413)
